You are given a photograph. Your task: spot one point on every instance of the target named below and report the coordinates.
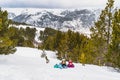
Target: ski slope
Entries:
(27, 64)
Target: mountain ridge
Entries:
(56, 18)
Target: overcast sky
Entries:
(56, 3)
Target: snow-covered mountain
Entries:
(55, 18)
(26, 64)
(11, 15)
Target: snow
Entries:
(76, 23)
(26, 64)
(35, 17)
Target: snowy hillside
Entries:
(26, 64)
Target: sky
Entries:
(55, 3)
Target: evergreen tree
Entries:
(63, 47)
(82, 59)
(114, 55)
(6, 44)
(74, 55)
(57, 39)
(88, 49)
(101, 32)
(0, 19)
(13, 34)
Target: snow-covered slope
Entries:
(11, 15)
(26, 64)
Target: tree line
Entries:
(11, 36)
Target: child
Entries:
(70, 64)
(63, 63)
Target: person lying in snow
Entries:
(70, 64)
(63, 63)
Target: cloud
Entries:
(55, 3)
(25, 3)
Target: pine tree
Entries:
(115, 46)
(58, 37)
(75, 53)
(89, 50)
(6, 44)
(82, 59)
(63, 47)
(0, 19)
(101, 32)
